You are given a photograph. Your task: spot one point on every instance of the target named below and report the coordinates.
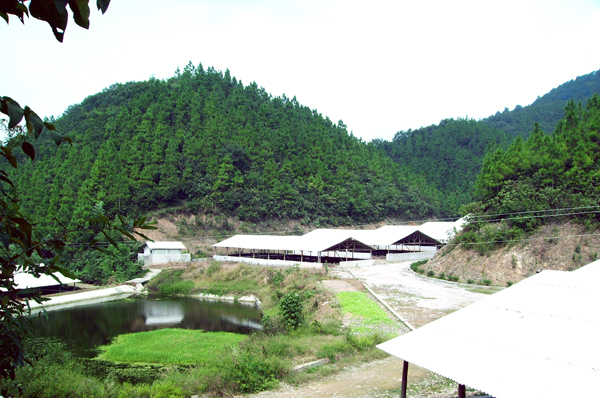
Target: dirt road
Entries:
(417, 299)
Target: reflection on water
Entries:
(163, 312)
(86, 327)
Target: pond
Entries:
(85, 327)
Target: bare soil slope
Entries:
(562, 247)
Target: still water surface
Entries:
(85, 327)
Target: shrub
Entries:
(213, 268)
(509, 283)
(453, 278)
(415, 266)
(487, 282)
(442, 276)
(278, 278)
(176, 288)
(470, 281)
(291, 307)
(430, 273)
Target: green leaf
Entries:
(28, 149)
(57, 137)
(13, 7)
(24, 224)
(103, 5)
(7, 153)
(7, 180)
(49, 126)
(124, 232)
(112, 242)
(53, 12)
(10, 107)
(34, 123)
(66, 272)
(81, 12)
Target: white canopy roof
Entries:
(165, 245)
(24, 280)
(316, 241)
(261, 242)
(538, 338)
(442, 231)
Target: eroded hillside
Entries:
(562, 247)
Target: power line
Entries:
(525, 239)
(534, 211)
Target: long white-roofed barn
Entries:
(311, 250)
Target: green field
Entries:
(170, 346)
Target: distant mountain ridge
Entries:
(546, 110)
(449, 155)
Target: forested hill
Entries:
(202, 141)
(546, 110)
(450, 155)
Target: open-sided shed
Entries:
(326, 246)
(47, 283)
(538, 338)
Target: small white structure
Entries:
(164, 252)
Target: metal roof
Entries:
(165, 245)
(25, 280)
(261, 242)
(538, 338)
(316, 241)
(386, 236)
(325, 239)
(442, 231)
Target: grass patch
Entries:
(371, 315)
(482, 290)
(183, 346)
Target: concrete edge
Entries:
(313, 364)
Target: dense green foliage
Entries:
(448, 155)
(545, 172)
(546, 110)
(202, 141)
(541, 179)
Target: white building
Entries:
(164, 252)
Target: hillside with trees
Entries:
(536, 205)
(203, 142)
(450, 155)
(546, 110)
(447, 155)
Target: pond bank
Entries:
(128, 288)
(84, 298)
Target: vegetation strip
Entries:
(404, 321)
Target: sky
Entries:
(380, 66)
